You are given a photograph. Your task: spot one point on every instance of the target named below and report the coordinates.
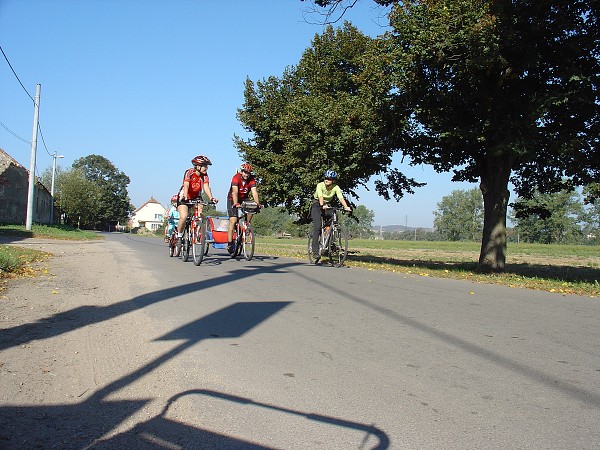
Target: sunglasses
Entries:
(245, 171)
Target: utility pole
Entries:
(52, 186)
(30, 192)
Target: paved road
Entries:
(282, 354)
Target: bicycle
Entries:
(194, 233)
(333, 239)
(172, 243)
(243, 236)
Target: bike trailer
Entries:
(218, 231)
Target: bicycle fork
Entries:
(325, 235)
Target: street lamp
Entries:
(52, 186)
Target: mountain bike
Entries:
(194, 234)
(333, 239)
(243, 236)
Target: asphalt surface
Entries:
(116, 345)
(278, 353)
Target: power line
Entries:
(15, 73)
(29, 95)
(25, 140)
(43, 141)
(15, 134)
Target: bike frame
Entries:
(194, 233)
(333, 239)
(243, 236)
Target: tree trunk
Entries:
(494, 187)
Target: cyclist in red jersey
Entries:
(242, 184)
(195, 180)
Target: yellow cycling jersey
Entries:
(328, 195)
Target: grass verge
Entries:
(565, 269)
(15, 260)
(47, 231)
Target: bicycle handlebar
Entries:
(336, 208)
(249, 207)
(197, 201)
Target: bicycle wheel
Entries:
(248, 241)
(206, 243)
(172, 244)
(237, 240)
(198, 242)
(185, 245)
(338, 246)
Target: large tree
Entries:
(459, 216)
(499, 91)
(323, 113)
(113, 205)
(502, 91)
(78, 198)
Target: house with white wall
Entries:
(150, 216)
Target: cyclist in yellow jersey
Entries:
(324, 193)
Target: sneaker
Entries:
(230, 247)
(316, 256)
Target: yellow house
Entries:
(150, 215)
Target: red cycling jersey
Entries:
(243, 186)
(196, 182)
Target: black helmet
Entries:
(201, 160)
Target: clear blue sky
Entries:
(149, 84)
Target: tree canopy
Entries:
(459, 216)
(78, 198)
(555, 218)
(324, 113)
(104, 189)
(496, 91)
(500, 91)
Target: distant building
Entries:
(14, 188)
(150, 216)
